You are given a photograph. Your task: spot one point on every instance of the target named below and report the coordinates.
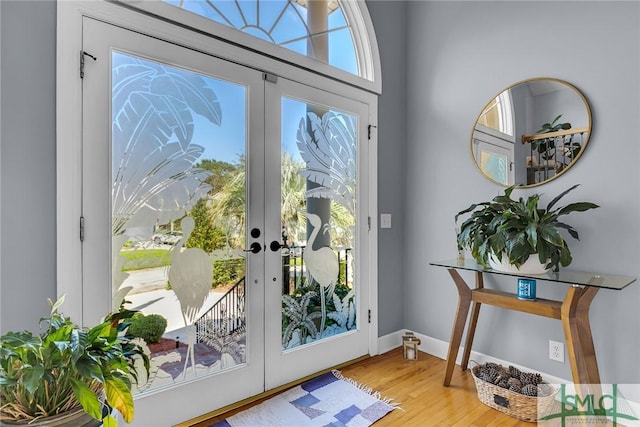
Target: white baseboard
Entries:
(439, 348)
(390, 341)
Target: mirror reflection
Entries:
(531, 133)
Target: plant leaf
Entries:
(32, 377)
(572, 231)
(109, 421)
(55, 306)
(560, 196)
(577, 207)
(565, 257)
(89, 368)
(550, 234)
(87, 398)
(119, 397)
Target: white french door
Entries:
(164, 129)
(230, 202)
(319, 139)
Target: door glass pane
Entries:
(318, 222)
(178, 215)
(494, 165)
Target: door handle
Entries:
(254, 248)
(275, 246)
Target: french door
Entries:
(227, 202)
(318, 139)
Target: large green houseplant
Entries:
(68, 369)
(518, 229)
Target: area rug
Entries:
(327, 400)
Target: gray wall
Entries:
(28, 156)
(461, 54)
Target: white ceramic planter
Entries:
(531, 266)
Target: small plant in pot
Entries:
(519, 230)
(67, 371)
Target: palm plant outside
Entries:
(220, 218)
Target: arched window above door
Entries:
(330, 37)
(320, 31)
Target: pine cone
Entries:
(530, 390)
(502, 383)
(538, 379)
(504, 372)
(515, 382)
(490, 375)
(514, 372)
(515, 388)
(530, 378)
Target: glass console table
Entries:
(573, 312)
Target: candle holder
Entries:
(410, 346)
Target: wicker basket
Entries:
(525, 408)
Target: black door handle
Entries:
(275, 245)
(254, 248)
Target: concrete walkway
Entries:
(150, 296)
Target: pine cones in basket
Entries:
(513, 379)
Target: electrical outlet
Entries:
(556, 351)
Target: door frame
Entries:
(69, 132)
(489, 140)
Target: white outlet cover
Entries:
(556, 351)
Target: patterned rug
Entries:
(329, 400)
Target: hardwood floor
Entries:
(417, 387)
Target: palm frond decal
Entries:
(153, 173)
(327, 145)
(296, 311)
(193, 90)
(345, 310)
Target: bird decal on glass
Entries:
(190, 276)
(321, 263)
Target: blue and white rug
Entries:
(329, 400)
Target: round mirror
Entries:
(531, 133)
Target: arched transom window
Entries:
(314, 28)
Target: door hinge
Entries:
(369, 315)
(369, 131)
(82, 55)
(369, 223)
(82, 229)
(268, 77)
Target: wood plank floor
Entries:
(417, 387)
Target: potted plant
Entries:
(68, 372)
(519, 230)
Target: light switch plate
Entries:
(385, 220)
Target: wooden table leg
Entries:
(464, 301)
(473, 321)
(577, 331)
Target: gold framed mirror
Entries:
(531, 133)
